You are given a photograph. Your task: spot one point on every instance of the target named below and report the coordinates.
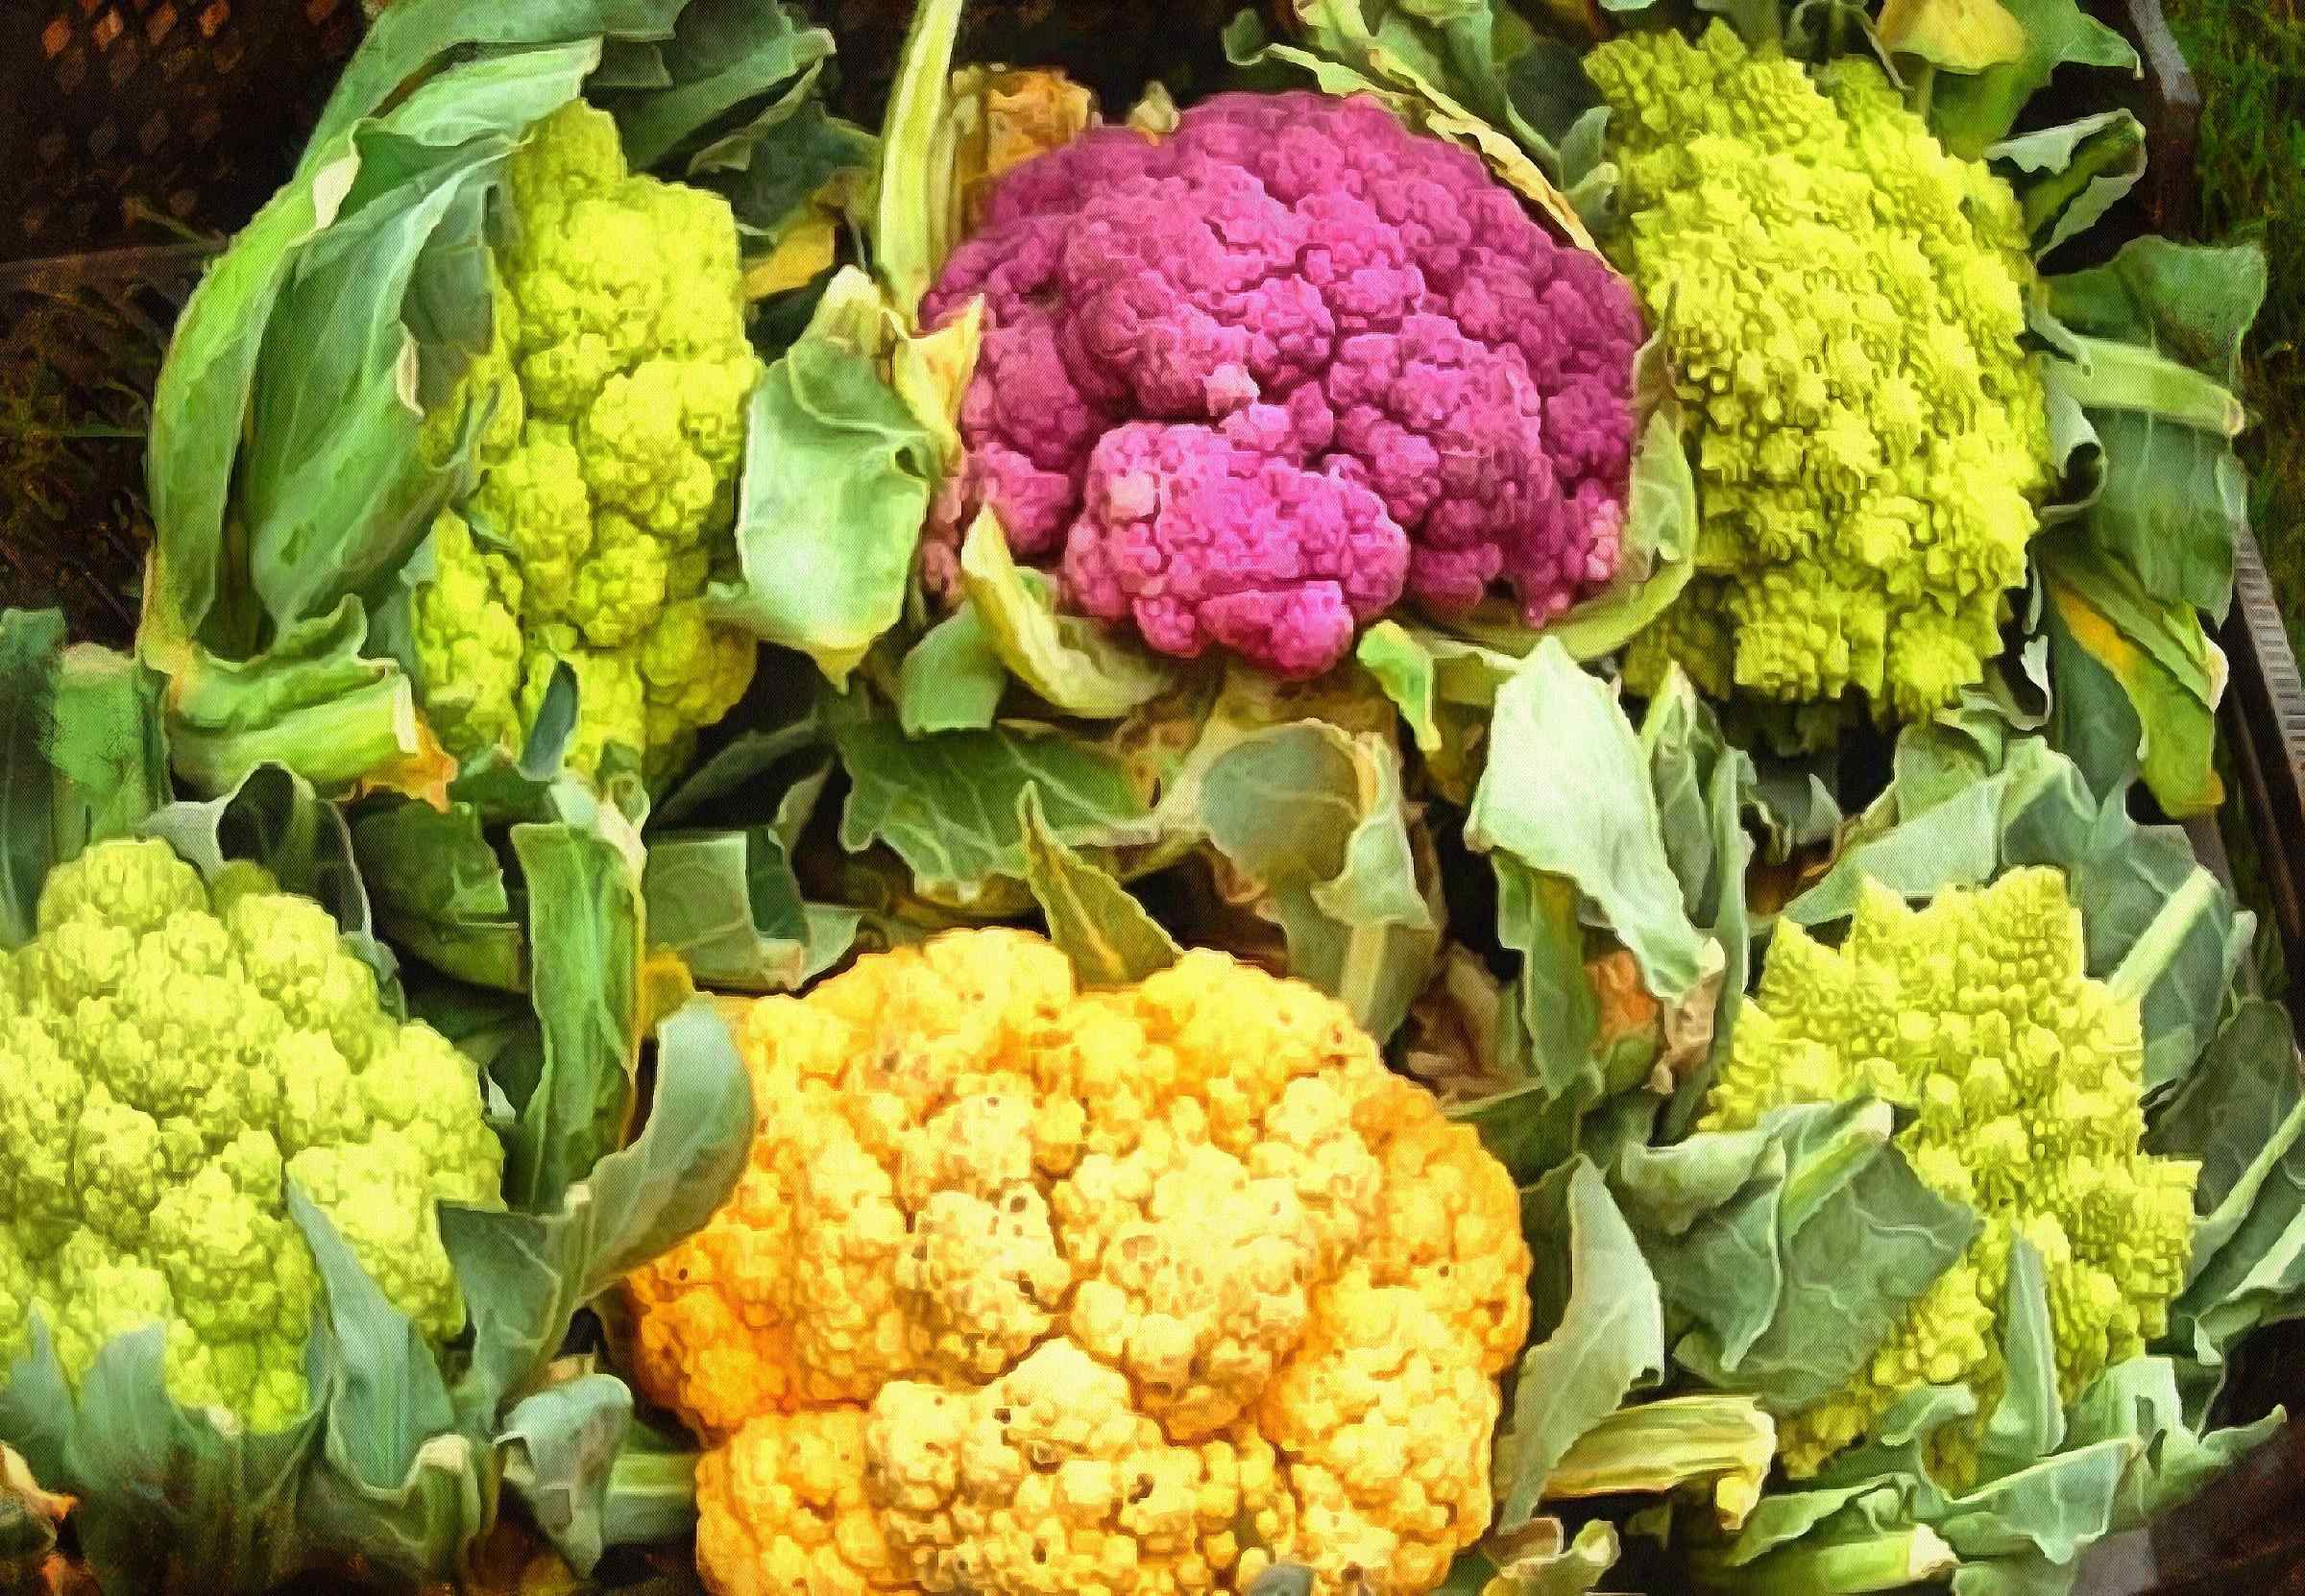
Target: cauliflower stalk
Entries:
(174, 1057)
(1841, 304)
(2023, 1079)
(1246, 383)
(613, 403)
(1034, 1290)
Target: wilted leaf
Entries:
(1961, 35)
(1104, 932)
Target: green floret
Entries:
(1841, 304)
(2025, 1077)
(615, 388)
(173, 1058)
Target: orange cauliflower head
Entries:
(1036, 1291)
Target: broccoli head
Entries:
(2024, 1080)
(1031, 1290)
(173, 1057)
(611, 407)
(1245, 382)
(1841, 304)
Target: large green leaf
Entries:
(1075, 664)
(2244, 1116)
(200, 402)
(947, 804)
(440, 892)
(1724, 1443)
(917, 214)
(2172, 1462)
(409, 38)
(524, 1274)
(400, 1479)
(334, 488)
(2075, 172)
(2171, 678)
(582, 875)
(953, 678)
(1567, 793)
(1597, 1334)
(1106, 933)
(722, 55)
(81, 756)
(164, 1493)
(1974, 111)
(729, 904)
(312, 702)
(2151, 347)
(1793, 1248)
(1315, 816)
(561, 1447)
(837, 474)
(1703, 786)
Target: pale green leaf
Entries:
(1316, 816)
(1074, 663)
(837, 474)
(1566, 793)
(1092, 918)
(1971, 113)
(1597, 1337)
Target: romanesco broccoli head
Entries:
(963, 1321)
(1841, 304)
(613, 401)
(2024, 1077)
(173, 1055)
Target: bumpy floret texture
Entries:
(171, 1057)
(611, 408)
(1841, 304)
(1029, 1291)
(1245, 382)
(2024, 1077)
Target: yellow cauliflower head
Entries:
(1034, 1290)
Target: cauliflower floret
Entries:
(619, 374)
(960, 1326)
(173, 1059)
(2024, 1079)
(1252, 381)
(1841, 304)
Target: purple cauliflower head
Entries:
(1246, 384)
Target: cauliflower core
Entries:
(1842, 306)
(2024, 1080)
(171, 1059)
(1030, 1290)
(1247, 380)
(613, 399)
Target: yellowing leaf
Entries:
(930, 374)
(1075, 664)
(800, 257)
(1960, 36)
(1154, 114)
(1003, 117)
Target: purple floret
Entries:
(1250, 382)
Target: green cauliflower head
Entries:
(174, 1055)
(612, 401)
(2024, 1079)
(1841, 304)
